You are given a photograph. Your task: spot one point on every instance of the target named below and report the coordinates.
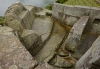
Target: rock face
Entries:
(91, 57)
(13, 54)
(44, 65)
(32, 41)
(11, 16)
(52, 44)
(17, 16)
(75, 33)
(43, 26)
(60, 62)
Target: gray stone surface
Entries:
(44, 65)
(60, 62)
(76, 11)
(85, 43)
(12, 52)
(13, 67)
(25, 20)
(58, 7)
(20, 17)
(48, 51)
(32, 41)
(5, 29)
(0, 67)
(31, 10)
(43, 26)
(96, 28)
(75, 33)
(90, 57)
(70, 20)
(95, 15)
(11, 16)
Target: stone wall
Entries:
(70, 14)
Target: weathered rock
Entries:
(43, 26)
(0, 67)
(63, 53)
(77, 11)
(32, 41)
(95, 20)
(70, 20)
(13, 67)
(96, 29)
(48, 51)
(60, 62)
(58, 7)
(20, 17)
(11, 16)
(85, 43)
(71, 60)
(58, 16)
(12, 53)
(32, 12)
(5, 29)
(44, 65)
(90, 57)
(75, 33)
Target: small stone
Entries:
(13, 67)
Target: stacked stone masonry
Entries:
(70, 14)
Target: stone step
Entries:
(91, 57)
(48, 51)
(43, 26)
(75, 33)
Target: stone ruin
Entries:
(65, 38)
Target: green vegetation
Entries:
(91, 3)
(49, 7)
(61, 1)
(2, 20)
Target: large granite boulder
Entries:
(32, 41)
(13, 54)
(20, 17)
